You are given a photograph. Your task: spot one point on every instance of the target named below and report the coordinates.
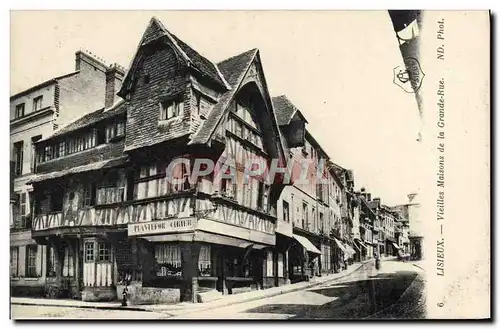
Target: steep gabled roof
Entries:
(285, 110)
(89, 119)
(234, 70)
(157, 30)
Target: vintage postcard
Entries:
(322, 165)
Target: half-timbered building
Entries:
(115, 198)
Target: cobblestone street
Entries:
(394, 291)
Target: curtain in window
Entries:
(168, 260)
(69, 262)
(204, 261)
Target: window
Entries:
(18, 158)
(171, 109)
(31, 251)
(168, 260)
(263, 192)
(146, 79)
(62, 149)
(89, 195)
(204, 261)
(104, 252)
(14, 261)
(110, 194)
(34, 139)
(120, 129)
(305, 218)
(313, 226)
(19, 111)
(286, 212)
(21, 220)
(48, 152)
(321, 222)
(37, 103)
(89, 251)
(51, 261)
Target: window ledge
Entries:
(14, 278)
(31, 279)
(163, 122)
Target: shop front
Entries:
(304, 259)
(197, 260)
(362, 249)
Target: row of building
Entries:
(94, 206)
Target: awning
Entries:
(349, 249)
(306, 244)
(361, 243)
(395, 245)
(74, 170)
(341, 246)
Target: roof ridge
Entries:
(237, 55)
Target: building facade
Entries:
(36, 113)
(150, 188)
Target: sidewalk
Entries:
(180, 308)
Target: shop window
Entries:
(68, 262)
(89, 252)
(31, 255)
(51, 262)
(14, 261)
(280, 265)
(204, 261)
(168, 260)
(104, 252)
(269, 264)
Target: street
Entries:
(394, 291)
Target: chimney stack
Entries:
(368, 197)
(114, 78)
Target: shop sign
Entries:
(162, 226)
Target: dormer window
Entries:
(171, 109)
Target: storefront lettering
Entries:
(165, 226)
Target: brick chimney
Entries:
(114, 78)
(86, 60)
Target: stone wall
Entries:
(139, 295)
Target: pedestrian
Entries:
(125, 294)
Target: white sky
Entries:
(337, 67)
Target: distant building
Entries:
(412, 225)
(35, 114)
